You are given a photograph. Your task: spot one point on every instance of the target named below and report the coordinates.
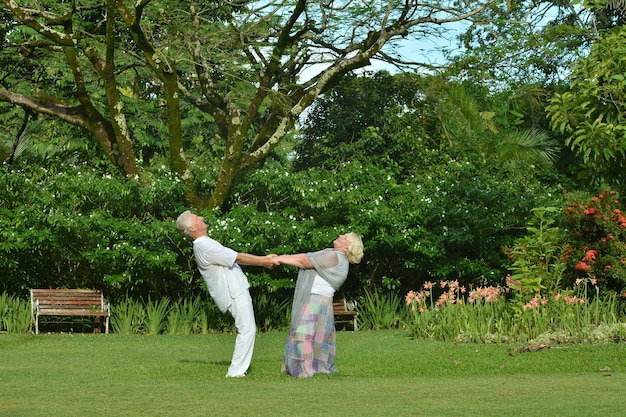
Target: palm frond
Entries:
(532, 146)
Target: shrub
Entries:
(596, 241)
(539, 257)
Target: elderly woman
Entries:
(311, 343)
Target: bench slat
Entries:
(75, 312)
(44, 301)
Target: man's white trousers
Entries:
(243, 313)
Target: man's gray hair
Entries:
(184, 222)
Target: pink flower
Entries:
(410, 297)
(532, 304)
(442, 301)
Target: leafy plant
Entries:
(378, 310)
(271, 313)
(15, 314)
(156, 314)
(539, 257)
(183, 317)
(127, 316)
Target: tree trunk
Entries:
(179, 162)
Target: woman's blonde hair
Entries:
(355, 248)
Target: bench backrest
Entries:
(79, 300)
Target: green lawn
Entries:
(380, 373)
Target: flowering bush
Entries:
(448, 312)
(596, 247)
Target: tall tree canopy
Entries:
(592, 113)
(150, 80)
(534, 41)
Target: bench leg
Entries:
(106, 325)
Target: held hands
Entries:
(299, 260)
(271, 261)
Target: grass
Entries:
(381, 373)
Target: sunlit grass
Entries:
(380, 373)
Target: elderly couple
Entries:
(310, 346)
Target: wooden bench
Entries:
(85, 303)
(343, 315)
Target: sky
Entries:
(427, 50)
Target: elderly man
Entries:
(228, 285)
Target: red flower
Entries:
(590, 255)
(581, 266)
(590, 211)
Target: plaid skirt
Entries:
(311, 344)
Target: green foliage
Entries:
(156, 312)
(539, 256)
(153, 80)
(127, 316)
(15, 314)
(193, 315)
(591, 112)
(428, 179)
(427, 207)
(188, 316)
(93, 231)
(378, 311)
(378, 114)
(272, 312)
(451, 220)
(182, 316)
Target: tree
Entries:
(362, 118)
(592, 113)
(531, 42)
(240, 65)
